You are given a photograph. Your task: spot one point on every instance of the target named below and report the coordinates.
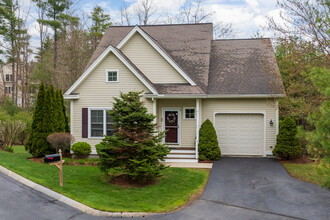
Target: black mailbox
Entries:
(52, 158)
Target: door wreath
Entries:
(171, 118)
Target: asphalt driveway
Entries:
(256, 188)
(238, 188)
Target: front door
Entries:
(171, 122)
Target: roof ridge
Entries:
(261, 38)
(154, 25)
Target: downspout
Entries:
(197, 125)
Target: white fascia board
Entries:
(97, 62)
(70, 96)
(194, 96)
(159, 50)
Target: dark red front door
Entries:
(171, 125)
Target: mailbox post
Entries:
(56, 159)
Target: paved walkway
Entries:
(238, 188)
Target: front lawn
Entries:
(308, 172)
(84, 184)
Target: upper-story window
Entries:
(112, 76)
(9, 77)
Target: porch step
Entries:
(180, 155)
(181, 160)
(181, 148)
(182, 151)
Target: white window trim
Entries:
(184, 113)
(111, 70)
(104, 121)
(10, 76)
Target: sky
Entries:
(246, 16)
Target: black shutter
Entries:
(85, 122)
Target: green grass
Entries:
(307, 172)
(84, 184)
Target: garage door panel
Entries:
(240, 134)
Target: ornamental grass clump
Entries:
(287, 144)
(208, 146)
(135, 149)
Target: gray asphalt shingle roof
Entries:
(245, 66)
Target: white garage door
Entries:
(240, 134)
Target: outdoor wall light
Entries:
(271, 122)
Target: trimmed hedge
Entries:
(81, 149)
(287, 144)
(208, 146)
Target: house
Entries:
(6, 84)
(187, 77)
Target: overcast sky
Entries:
(247, 16)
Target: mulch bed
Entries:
(301, 160)
(36, 159)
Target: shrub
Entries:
(208, 146)
(81, 149)
(135, 149)
(287, 144)
(60, 140)
(9, 131)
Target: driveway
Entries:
(256, 188)
(238, 188)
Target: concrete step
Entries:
(180, 155)
(174, 151)
(180, 160)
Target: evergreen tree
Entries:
(59, 117)
(208, 146)
(55, 12)
(136, 148)
(66, 120)
(37, 144)
(100, 23)
(287, 145)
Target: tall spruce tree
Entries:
(66, 120)
(136, 148)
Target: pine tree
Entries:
(287, 145)
(136, 148)
(100, 23)
(37, 144)
(208, 146)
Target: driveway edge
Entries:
(70, 202)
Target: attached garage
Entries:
(240, 134)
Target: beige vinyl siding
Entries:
(210, 106)
(96, 92)
(187, 126)
(150, 62)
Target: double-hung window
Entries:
(100, 123)
(9, 78)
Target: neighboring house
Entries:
(187, 78)
(6, 84)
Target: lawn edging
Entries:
(68, 201)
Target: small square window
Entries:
(189, 113)
(112, 76)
